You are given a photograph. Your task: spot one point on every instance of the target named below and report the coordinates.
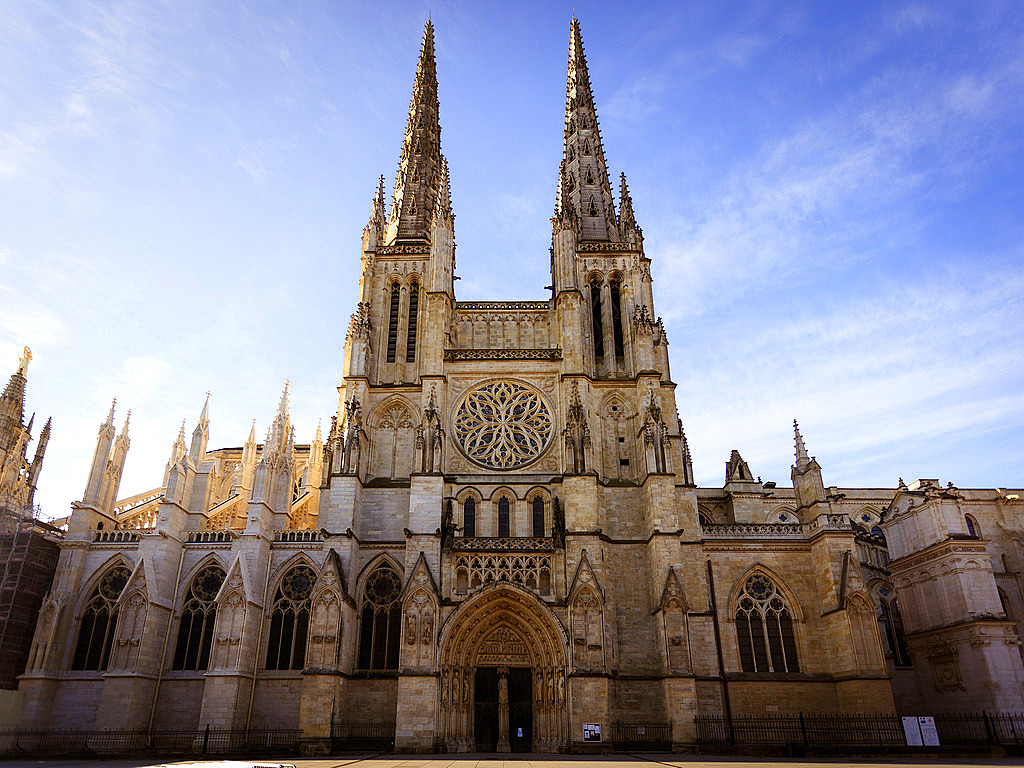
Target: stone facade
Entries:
(501, 530)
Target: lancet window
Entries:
(289, 621)
(615, 291)
(469, 517)
(396, 295)
(198, 615)
(381, 620)
(598, 328)
(538, 517)
(503, 517)
(892, 626)
(973, 529)
(414, 301)
(99, 620)
(764, 629)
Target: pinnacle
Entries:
(204, 416)
(802, 460)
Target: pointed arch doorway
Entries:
(502, 674)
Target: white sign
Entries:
(591, 731)
(912, 730)
(928, 731)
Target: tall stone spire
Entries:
(12, 404)
(583, 186)
(421, 165)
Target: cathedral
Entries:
(499, 545)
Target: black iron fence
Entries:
(850, 730)
(641, 735)
(377, 736)
(111, 742)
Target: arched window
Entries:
(469, 517)
(538, 517)
(972, 527)
(503, 526)
(595, 307)
(764, 629)
(381, 620)
(396, 294)
(289, 622)
(414, 301)
(893, 625)
(617, 319)
(198, 616)
(99, 619)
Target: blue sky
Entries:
(831, 195)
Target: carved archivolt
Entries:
(502, 424)
(501, 626)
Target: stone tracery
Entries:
(503, 425)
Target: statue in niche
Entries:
(557, 523)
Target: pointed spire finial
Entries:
(802, 459)
(127, 418)
(110, 416)
(283, 406)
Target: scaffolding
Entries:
(28, 560)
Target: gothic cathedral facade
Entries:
(500, 539)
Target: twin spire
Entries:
(584, 192)
(421, 186)
(422, 200)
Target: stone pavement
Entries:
(525, 761)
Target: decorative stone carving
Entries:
(503, 425)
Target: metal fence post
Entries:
(206, 738)
(803, 728)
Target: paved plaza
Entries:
(526, 761)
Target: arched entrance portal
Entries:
(502, 670)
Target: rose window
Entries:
(502, 425)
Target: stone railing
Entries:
(503, 544)
(503, 354)
(753, 530)
(120, 536)
(210, 537)
(287, 536)
(502, 306)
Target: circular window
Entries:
(383, 587)
(298, 583)
(114, 581)
(502, 425)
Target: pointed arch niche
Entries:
(391, 439)
(618, 437)
(502, 626)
